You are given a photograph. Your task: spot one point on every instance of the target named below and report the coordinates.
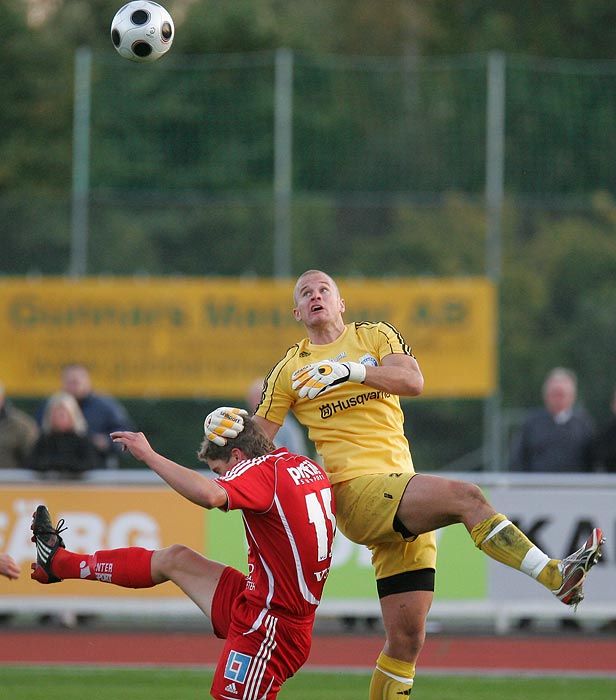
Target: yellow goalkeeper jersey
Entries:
(356, 429)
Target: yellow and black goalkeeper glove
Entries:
(314, 379)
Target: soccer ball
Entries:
(142, 31)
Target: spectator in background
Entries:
(291, 434)
(559, 436)
(8, 566)
(605, 443)
(18, 432)
(64, 447)
(555, 438)
(103, 414)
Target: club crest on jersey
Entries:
(368, 360)
(237, 666)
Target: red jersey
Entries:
(289, 516)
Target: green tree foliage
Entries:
(552, 28)
(355, 27)
(36, 97)
(563, 277)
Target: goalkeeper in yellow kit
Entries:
(343, 382)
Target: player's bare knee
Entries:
(465, 500)
(171, 558)
(475, 494)
(469, 496)
(406, 631)
(473, 505)
(406, 641)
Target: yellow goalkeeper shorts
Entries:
(365, 511)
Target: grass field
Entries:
(36, 683)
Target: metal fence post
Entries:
(494, 195)
(283, 161)
(81, 163)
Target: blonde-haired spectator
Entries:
(103, 413)
(63, 409)
(64, 445)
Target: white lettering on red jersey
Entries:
(289, 517)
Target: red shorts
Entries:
(262, 649)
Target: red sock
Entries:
(129, 567)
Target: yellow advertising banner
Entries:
(209, 338)
(101, 517)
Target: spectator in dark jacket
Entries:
(103, 414)
(559, 436)
(64, 446)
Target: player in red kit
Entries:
(266, 616)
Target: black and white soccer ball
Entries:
(142, 31)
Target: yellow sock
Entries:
(500, 539)
(392, 679)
